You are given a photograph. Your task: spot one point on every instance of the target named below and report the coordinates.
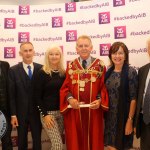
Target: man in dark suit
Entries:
(142, 118)
(24, 113)
(4, 106)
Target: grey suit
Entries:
(22, 104)
(142, 130)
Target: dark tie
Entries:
(146, 107)
(29, 72)
(84, 63)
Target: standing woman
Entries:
(48, 83)
(121, 83)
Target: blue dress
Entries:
(112, 84)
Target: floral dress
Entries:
(112, 84)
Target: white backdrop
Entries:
(105, 21)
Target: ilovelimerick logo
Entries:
(70, 7)
(23, 37)
(3, 125)
(104, 49)
(24, 10)
(104, 17)
(57, 22)
(120, 32)
(71, 35)
(117, 3)
(9, 52)
(9, 23)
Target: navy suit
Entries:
(22, 104)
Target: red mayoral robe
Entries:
(84, 126)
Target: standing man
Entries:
(84, 91)
(24, 113)
(142, 119)
(4, 105)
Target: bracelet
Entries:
(130, 118)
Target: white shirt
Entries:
(87, 60)
(25, 66)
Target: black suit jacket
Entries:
(22, 101)
(4, 66)
(142, 75)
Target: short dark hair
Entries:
(25, 43)
(115, 47)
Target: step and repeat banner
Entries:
(105, 21)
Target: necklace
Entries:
(55, 71)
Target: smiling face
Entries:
(118, 57)
(54, 57)
(84, 47)
(118, 54)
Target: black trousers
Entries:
(34, 123)
(6, 139)
(145, 136)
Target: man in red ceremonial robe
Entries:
(83, 99)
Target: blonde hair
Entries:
(47, 66)
(148, 43)
(84, 37)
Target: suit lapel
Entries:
(3, 70)
(142, 81)
(144, 75)
(22, 74)
(35, 70)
